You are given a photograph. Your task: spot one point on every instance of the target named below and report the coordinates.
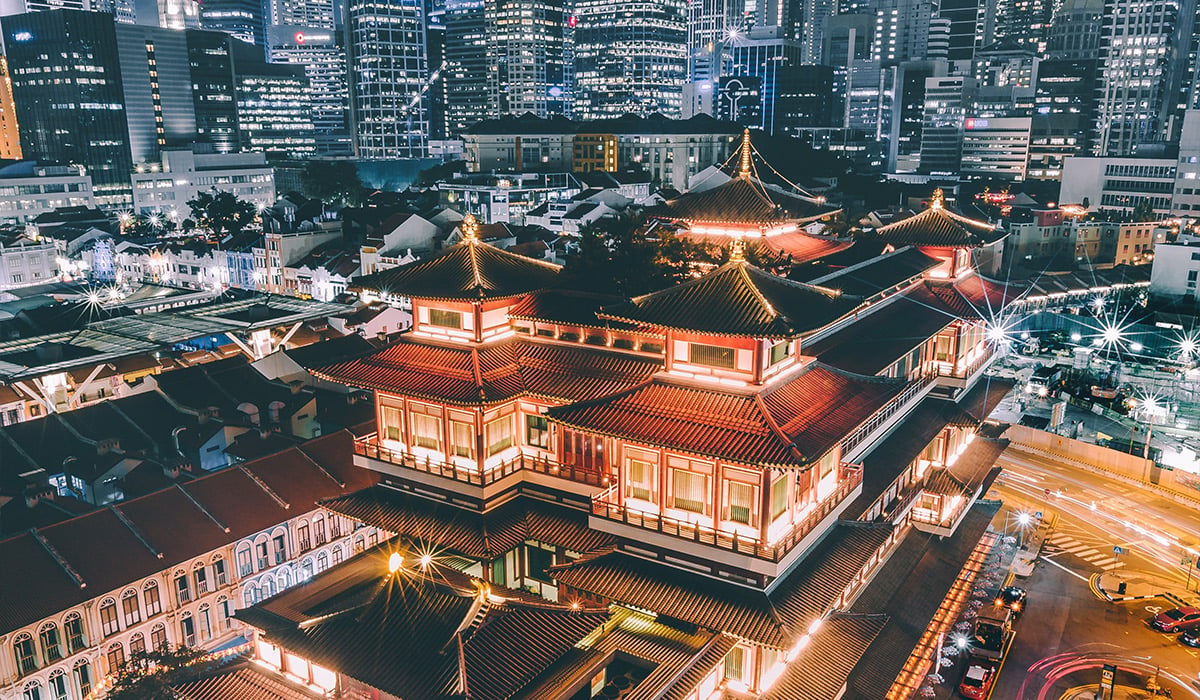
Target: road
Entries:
(1069, 632)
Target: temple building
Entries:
(963, 244)
(743, 483)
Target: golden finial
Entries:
(737, 250)
(938, 200)
(744, 170)
(470, 228)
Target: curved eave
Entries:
(482, 296)
(776, 335)
(432, 398)
(789, 466)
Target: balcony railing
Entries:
(369, 446)
(607, 504)
(884, 414)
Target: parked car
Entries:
(977, 681)
(1176, 620)
(1190, 638)
(1012, 598)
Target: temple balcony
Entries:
(858, 442)
(700, 537)
(499, 473)
(954, 377)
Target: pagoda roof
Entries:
(798, 246)
(468, 271)
(972, 297)
(567, 307)
(938, 226)
(738, 299)
(891, 270)
(790, 425)
(472, 375)
(742, 200)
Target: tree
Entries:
(1143, 211)
(151, 675)
(221, 211)
(332, 181)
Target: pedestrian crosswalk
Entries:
(1061, 543)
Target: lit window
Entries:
(711, 355)
(689, 491)
(462, 439)
(444, 318)
(739, 502)
(641, 479)
(499, 434)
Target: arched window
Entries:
(318, 530)
(152, 599)
(187, 629)
(115, 656)
(137, 644)
(25, 654)
(83, 677)
(158, 636)
(60, 685)
(336, 552)
(322, 562)
(359, 544)
(220, 573)
(262, 552)
(200, 576)
(285, 578)
(32, 691)
(108, 617)
(268, 587)
(245, 562)
(130, 609)
(204, 618)
(224, 613)
(250, 594)
(183, 590)
(73, 629)
(51, 642)
(306, 569)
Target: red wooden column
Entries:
(764, 510)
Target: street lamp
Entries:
(1148, 405)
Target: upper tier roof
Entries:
(469, 271)
(742, 200)
(939, 227)
(738, 299)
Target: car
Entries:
(1176, 620)
(1013, 598)
(1190, 638)
(977, 680)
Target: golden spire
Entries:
(737, 250)
(744, 170)
(470, 228)
(938, 200)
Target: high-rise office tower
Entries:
(766, 54)
(808, 27)
(435, 47)
(389, 78)
(711, 26)
(10, 136)
(947, 103)
(1023, 23)
(274, 105)
(525, 57)
(902, 30)
(630, 56)
(241, 19)
(907, 112)
(1064, 115)
(1075, 31)
(304, 33)
(79, 117)
(465, 61)
(1144, 59)
(168, 14)
(1189, 94)
(966, 19)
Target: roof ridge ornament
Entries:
(938, 200)
(744, 170)
(737, 250)
(470, 228)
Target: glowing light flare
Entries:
(395, 561)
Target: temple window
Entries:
(780, 351)
(444, 318)
(537, 431)
(641, 477)
(462, 439)
(943, 351)
(711, 355)
(427, 429)
(779, 496)
(392, 420)
(499, 434)
(740, 499)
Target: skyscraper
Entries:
(389, 78)
(525, 57)
(1144, 58)
(947, 102)
(765, 54)
(241, 19)
(274, 105)
(1075, 31)
(711, 25)
(304, 34)
(465, 61)
(902, 29)
(966, 26)
(630, 56)
(1023, 23)
(79, 116)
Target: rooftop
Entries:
(938, 226)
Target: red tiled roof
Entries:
(938, 226)
(738, 299)
(244, 683)
(493, 373)
(112, 547)
(797, 245)
(470, 271)
(741, 201)
(790, 425)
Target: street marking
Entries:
(1054, 563)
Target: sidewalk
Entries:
(1141, 585)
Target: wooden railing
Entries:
(884, 414)
(608, 505)
(369, 446)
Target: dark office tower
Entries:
(966, 26)
(435, 46)
(848, 38)
(1024, 23)
(304, 33)
(908, 113)
(630, 56)
(711, 26)
(1064, 115)
(274, 105)
(902, 30)
(1075, 31)
(764, 55)
(78, 116)
(808, 27)
(214, 94)
(241, 19)
(805, 99)
(389, 78)
(467, 100)
(1144, 58)
(1189, 94)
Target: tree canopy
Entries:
(221, 212)
(150, 675)
(332, 181)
